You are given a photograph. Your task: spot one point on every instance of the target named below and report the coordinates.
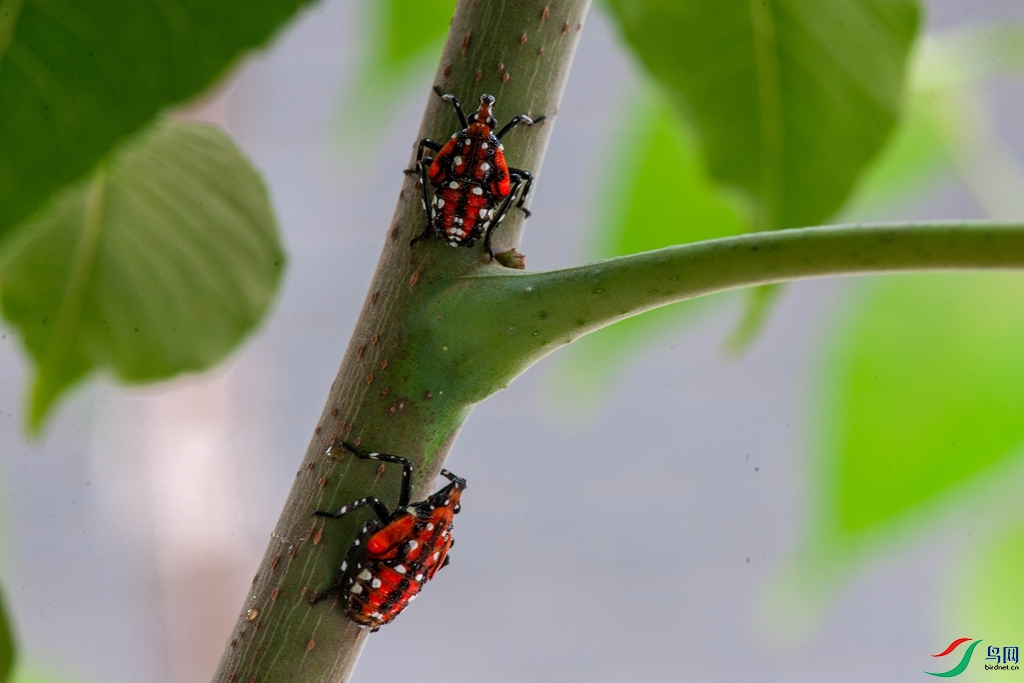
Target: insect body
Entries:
(472, 186)
(395, 554)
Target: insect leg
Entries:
(453, 478)
(455, 104)
(425, 143)
(406, 490)
(522, 118)
(369, 527)
(501, 211)
(527, 177)
(380, 508)
(424, 164)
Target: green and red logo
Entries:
(964, 661)
(1005, 658)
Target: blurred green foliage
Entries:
(791, 99)
(157, 264)
(406, 44)
(7, 645)
(925, 390)
(410, 27)
(76, 78)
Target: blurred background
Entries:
(652, 505)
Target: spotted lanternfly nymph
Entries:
(472, 186)
(395, 554)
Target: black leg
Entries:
(455, 103)
(522, 118)
(425, 143)
(380, 508)
(501, 211)
(527, 177)
(406, 491)
(453, 478)
(368, 528)
(425, 199)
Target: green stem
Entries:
(389, 396)
(489, 328)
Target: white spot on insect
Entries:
(483, 145)
(400, 569)
(365, 574)
(430, 527)
(344, 565)
(453, 185)
(436, 555)
(458, 161)
(478, 190)
(413, 545)
(375, 583)
(485, 167)
(454, 243)
(439, 202)
(356, 588)
(418, 577)
(375, 615)
(501, 147)
(357, 542)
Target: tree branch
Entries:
(389, 395)
(489, 328)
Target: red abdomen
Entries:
(395, 563)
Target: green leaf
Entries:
(660, 195)
(791, 98)
(77, 77)
(409, 28)
(915, 158)
(928, 392)
(158, 264)
(405, 41)
(7, 646)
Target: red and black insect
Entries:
(472, 186)
(395, 554)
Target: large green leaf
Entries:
(791, 98)
(158, 264)
(915, 158)
(928, 392)
(76, 77)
